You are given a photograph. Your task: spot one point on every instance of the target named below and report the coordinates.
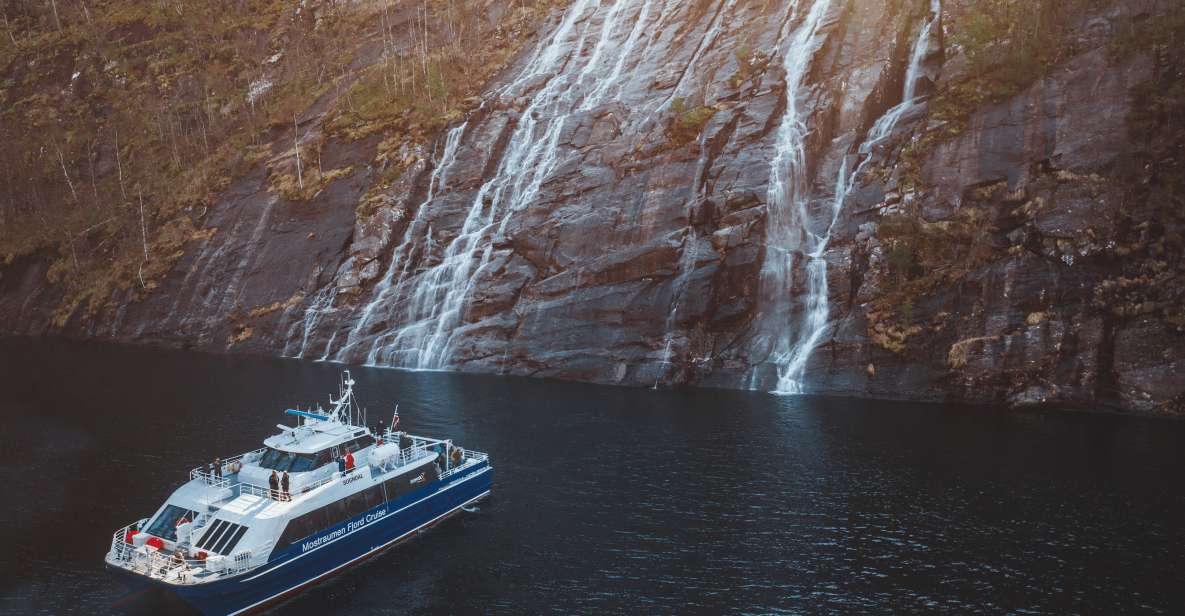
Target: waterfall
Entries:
(578, 77)
(885, 125)
(686, 268)
(920, 47)
(793, 360)
(321, 305)
(387, 288)
(787, 233)
(613, 79)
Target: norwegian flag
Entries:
(395, 420)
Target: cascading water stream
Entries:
(787, 233)
(385, 290)
(321, 305)
(686, 268)
(792, 364)
(577, 79)
(885, 125)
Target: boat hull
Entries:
(317, 558)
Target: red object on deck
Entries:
(201, 555)
(349, 461)
(128, 536)
(155, 542)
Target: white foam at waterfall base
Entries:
(793, 361)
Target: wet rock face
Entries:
(602, 217)
(605, 215)
(234, 289)
(1031, 315)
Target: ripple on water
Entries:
(621, 500)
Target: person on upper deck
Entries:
(218, 468)
(273, 483)
(284, 487)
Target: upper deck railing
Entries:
(421, 447)
(219, 477)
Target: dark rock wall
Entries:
(636, 258)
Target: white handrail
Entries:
(163, 566)
(468, 460)
(219, 479)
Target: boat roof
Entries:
(314, 436)
(319, 429)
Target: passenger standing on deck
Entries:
(218, 468)
(349, 461)
(284, 486)
(273, 483)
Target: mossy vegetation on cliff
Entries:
(1150, 252)
(920, 257)
(414, 91)
(1007, 45)
(124, 122)
(686, 123)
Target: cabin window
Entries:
(358, 502)
(302, 526)
(281, 461)
(165, 524)
(409, 481)
(337, 512)
(330, 515)
(359, 443)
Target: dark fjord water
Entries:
(618, 500)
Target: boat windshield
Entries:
(165, 524)
(277, 460)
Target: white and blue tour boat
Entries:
(227, 542)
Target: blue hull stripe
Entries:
(359, 529)
(362, 556)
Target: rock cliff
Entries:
(914, 199)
